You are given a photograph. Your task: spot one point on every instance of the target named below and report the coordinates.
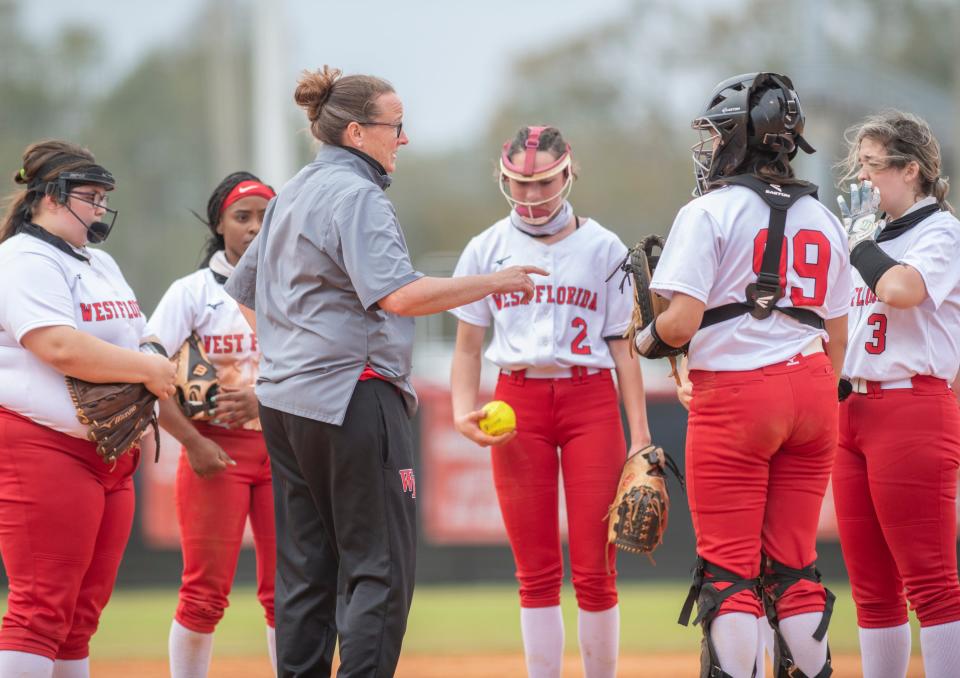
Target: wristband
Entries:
(871, 262)
(649, 344)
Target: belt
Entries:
(814, 347)
(553, 372)
(862, 385)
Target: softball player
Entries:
(555, 352)
(65, 515)
(224, 473)
(763, 417)
(895, 477)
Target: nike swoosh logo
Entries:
(499, 262)
(244, 189)
(215, 306)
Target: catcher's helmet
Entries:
(759, 111)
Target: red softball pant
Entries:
(65, 518)
(574, 425)
(760, 445)
(895, 489)
(212, 513)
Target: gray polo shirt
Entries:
(330, 248)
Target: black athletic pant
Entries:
(346, 535)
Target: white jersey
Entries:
(198, 302)
(574, 310)
(887, 343)
(43, 286)
(714, 251)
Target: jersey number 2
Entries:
(804, 243)
(577, 347)
(878, 344)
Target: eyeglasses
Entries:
(398, 125)
(100, 200)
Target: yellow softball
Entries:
(500, 418)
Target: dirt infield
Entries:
(467, 666)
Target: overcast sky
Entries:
(448, 59)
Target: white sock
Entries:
(764, 645)
(272, 647)
(72, 668)
(940, 646)
(885, 652)
(735, 639)
(599, 634)
(542, 631)
(190, 652)
(809, 654)
(15, 664)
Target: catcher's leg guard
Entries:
(776, 578)
(709, 599)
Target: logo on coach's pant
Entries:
(408, 481)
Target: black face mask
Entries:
(97, 231)
(94, 174)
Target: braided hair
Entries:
(215, 242)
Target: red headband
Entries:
(529, 158)
(244, 190)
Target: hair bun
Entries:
(314, 89)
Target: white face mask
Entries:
(533, 212)
(552, 226)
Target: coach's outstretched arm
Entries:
(432, 295)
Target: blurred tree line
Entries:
(173, 125)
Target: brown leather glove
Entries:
(637, 518)
(118, 415)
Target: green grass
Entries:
(473, 619)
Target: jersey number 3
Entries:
(878, 342)
(811, 260)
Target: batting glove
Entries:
(860, 218)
